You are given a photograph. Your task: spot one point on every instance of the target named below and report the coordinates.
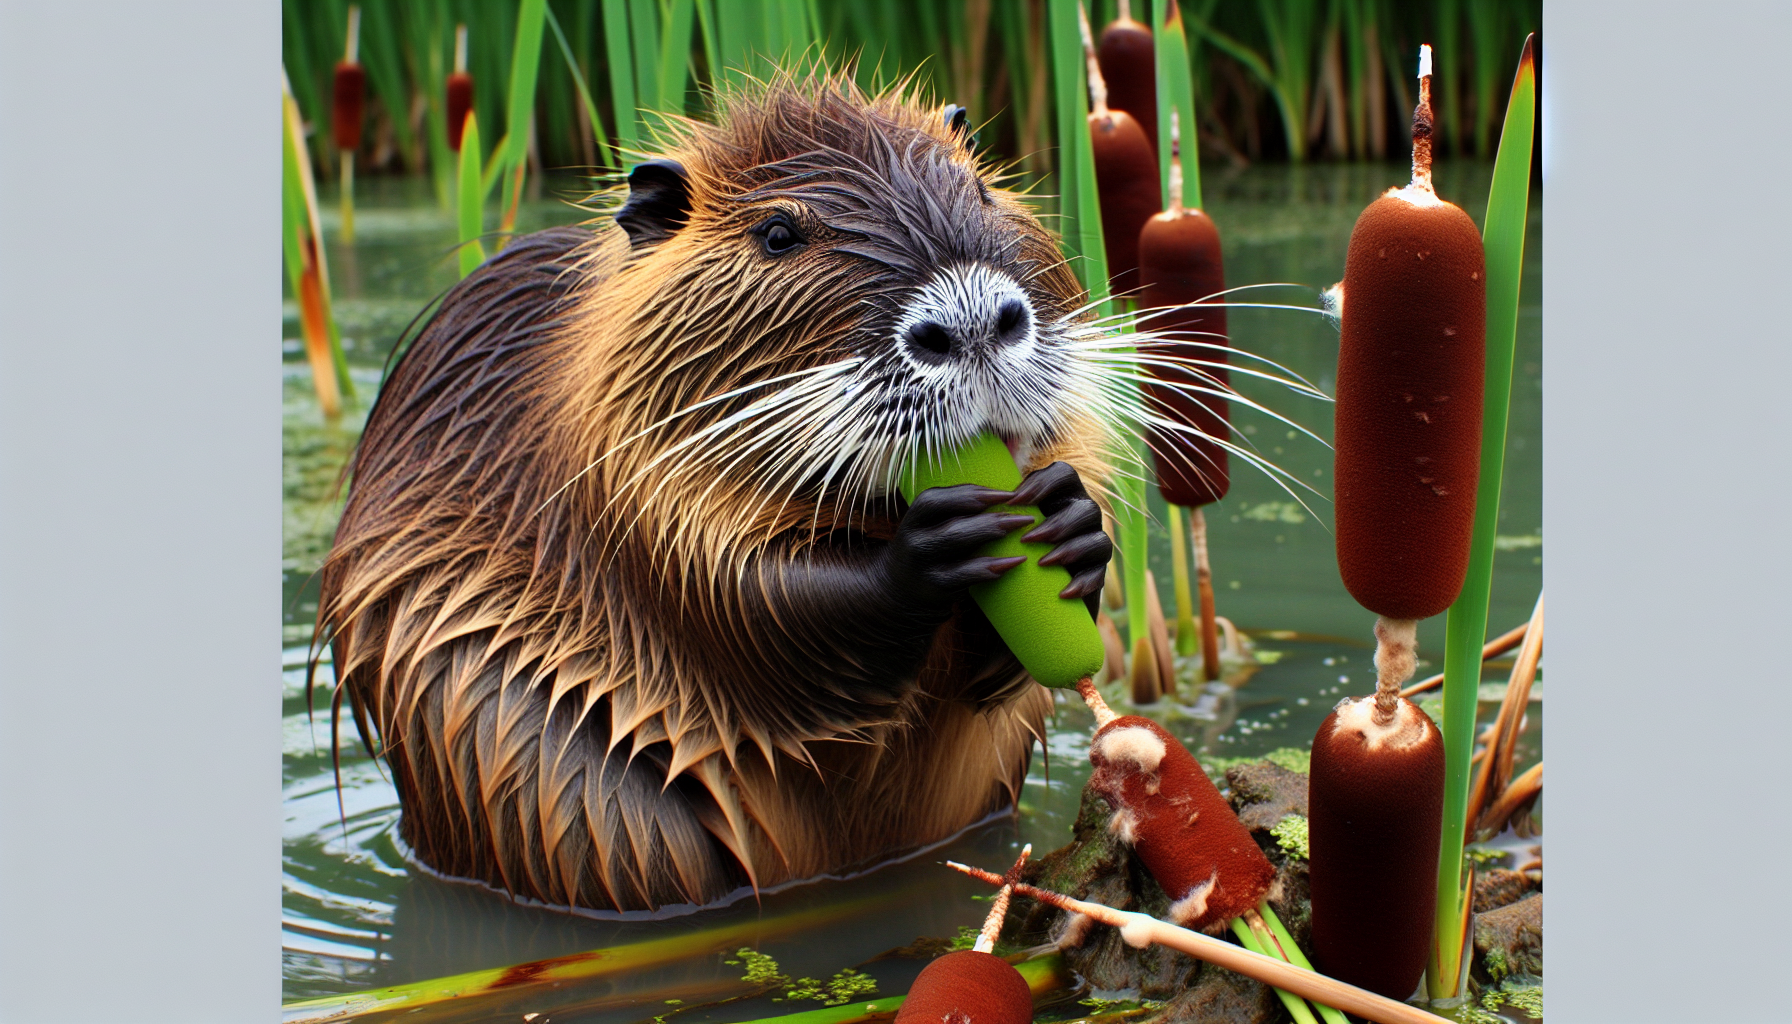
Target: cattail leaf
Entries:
(1176, 92)
(302, 245)
(578, 81)
(644, 35)
(622, 74)
(1044, 973)
(1465, 631)
(675, 55)
(472, 198)
(525, 65)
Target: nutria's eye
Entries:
(778, 236)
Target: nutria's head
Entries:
(809, 290)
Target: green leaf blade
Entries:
(472, 199)
(1466, 626)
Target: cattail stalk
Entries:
(1210, 627)
(1494, 648)
(1185, 604)
(998, 908)
(349, 93)
(1408, 441)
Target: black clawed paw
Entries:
(933, 556)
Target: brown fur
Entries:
(561, 627)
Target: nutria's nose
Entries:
(934, 342)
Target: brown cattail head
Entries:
(460, 102)
(1376, 797)
(1180, 264)
(1167, 808)
(1126, 178)
(350, 102)
(1408, 419)
(1125, 175)
(968, 987)
(1129, 64)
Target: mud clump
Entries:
(1497, 887)
(1264, 793)
(1509, 940)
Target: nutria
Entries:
(624, 593)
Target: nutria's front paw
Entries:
(1072, 524)
(933, 556)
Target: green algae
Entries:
(1291, 835)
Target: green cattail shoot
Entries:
(1054, 637)
(1408, 436)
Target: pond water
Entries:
(358, 916)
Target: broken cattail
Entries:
(1181, 272)
(1408, 438)
(973, 986)
(1375, 815)
(998, 909)
(1172, 815)
(1129, 65)
(460, 90)
(1125, 174)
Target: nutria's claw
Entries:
(1072, 524)
(933, 556)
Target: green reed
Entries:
(302, 250)
(1502, 237)
(1278, 68)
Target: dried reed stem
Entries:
(998, 909)
(1496, 769)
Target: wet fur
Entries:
(587, 653)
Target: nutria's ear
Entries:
(958, 123)
(659, 202)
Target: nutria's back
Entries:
(622, 591)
